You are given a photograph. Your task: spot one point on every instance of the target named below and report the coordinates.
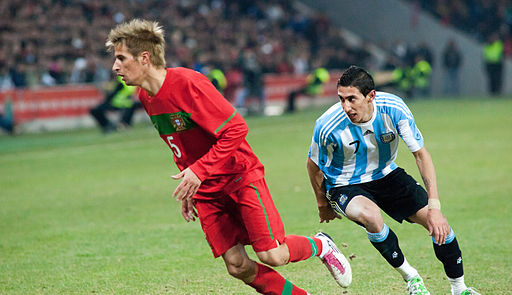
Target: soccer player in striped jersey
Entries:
(220, 176)
(352, 170)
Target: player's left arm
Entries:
(437, 224)
(187, 210)
(218, 117)
(212, 112)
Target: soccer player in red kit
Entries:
(220, 175)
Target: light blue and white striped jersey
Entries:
(350, 153)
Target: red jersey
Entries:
(203, 130)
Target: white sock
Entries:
(457, 285)
(325, 248)
(407, 271)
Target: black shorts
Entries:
(397, 194)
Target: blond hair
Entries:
(139, 36)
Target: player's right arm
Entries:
(316, 177)
(317, 151)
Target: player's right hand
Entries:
(326, 213)
(188, 186)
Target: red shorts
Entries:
(246, 216)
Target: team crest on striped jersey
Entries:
(387, 137)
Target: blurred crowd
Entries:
(50, 42)
(479, 18)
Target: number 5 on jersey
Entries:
(174, 147)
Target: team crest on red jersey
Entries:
(168, 123)
(178, 122)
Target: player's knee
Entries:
(364, 212)
(273, 258)
(239, 271)
(239, 268)
(368, 218)
(371, 218)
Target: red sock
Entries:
(302, 248)
(269, 281)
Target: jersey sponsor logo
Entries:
(367, 132)
(172, 122)
(387, 137)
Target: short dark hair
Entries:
(357, 77)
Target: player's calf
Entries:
(301, 248)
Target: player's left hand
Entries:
(438, 226)
(188, 211)
(188, 186)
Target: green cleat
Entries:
(470, 291)
(417, 287)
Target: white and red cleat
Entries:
(335, 261)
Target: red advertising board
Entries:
(76, 100)
(51, 102)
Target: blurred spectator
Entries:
(234, 81)
(6, 82)
(421, 74)
(452, 60)
(493, 59)
(7, 117)
(6, 124)
(425, 51)
(400, 79)
(118, 99)
(507, 43)
(300, 62)
(18, 74)
(402, 51)
(252, 86)
(313, 87)
(57, 71)
(218, 79)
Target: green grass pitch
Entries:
(83, 213)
